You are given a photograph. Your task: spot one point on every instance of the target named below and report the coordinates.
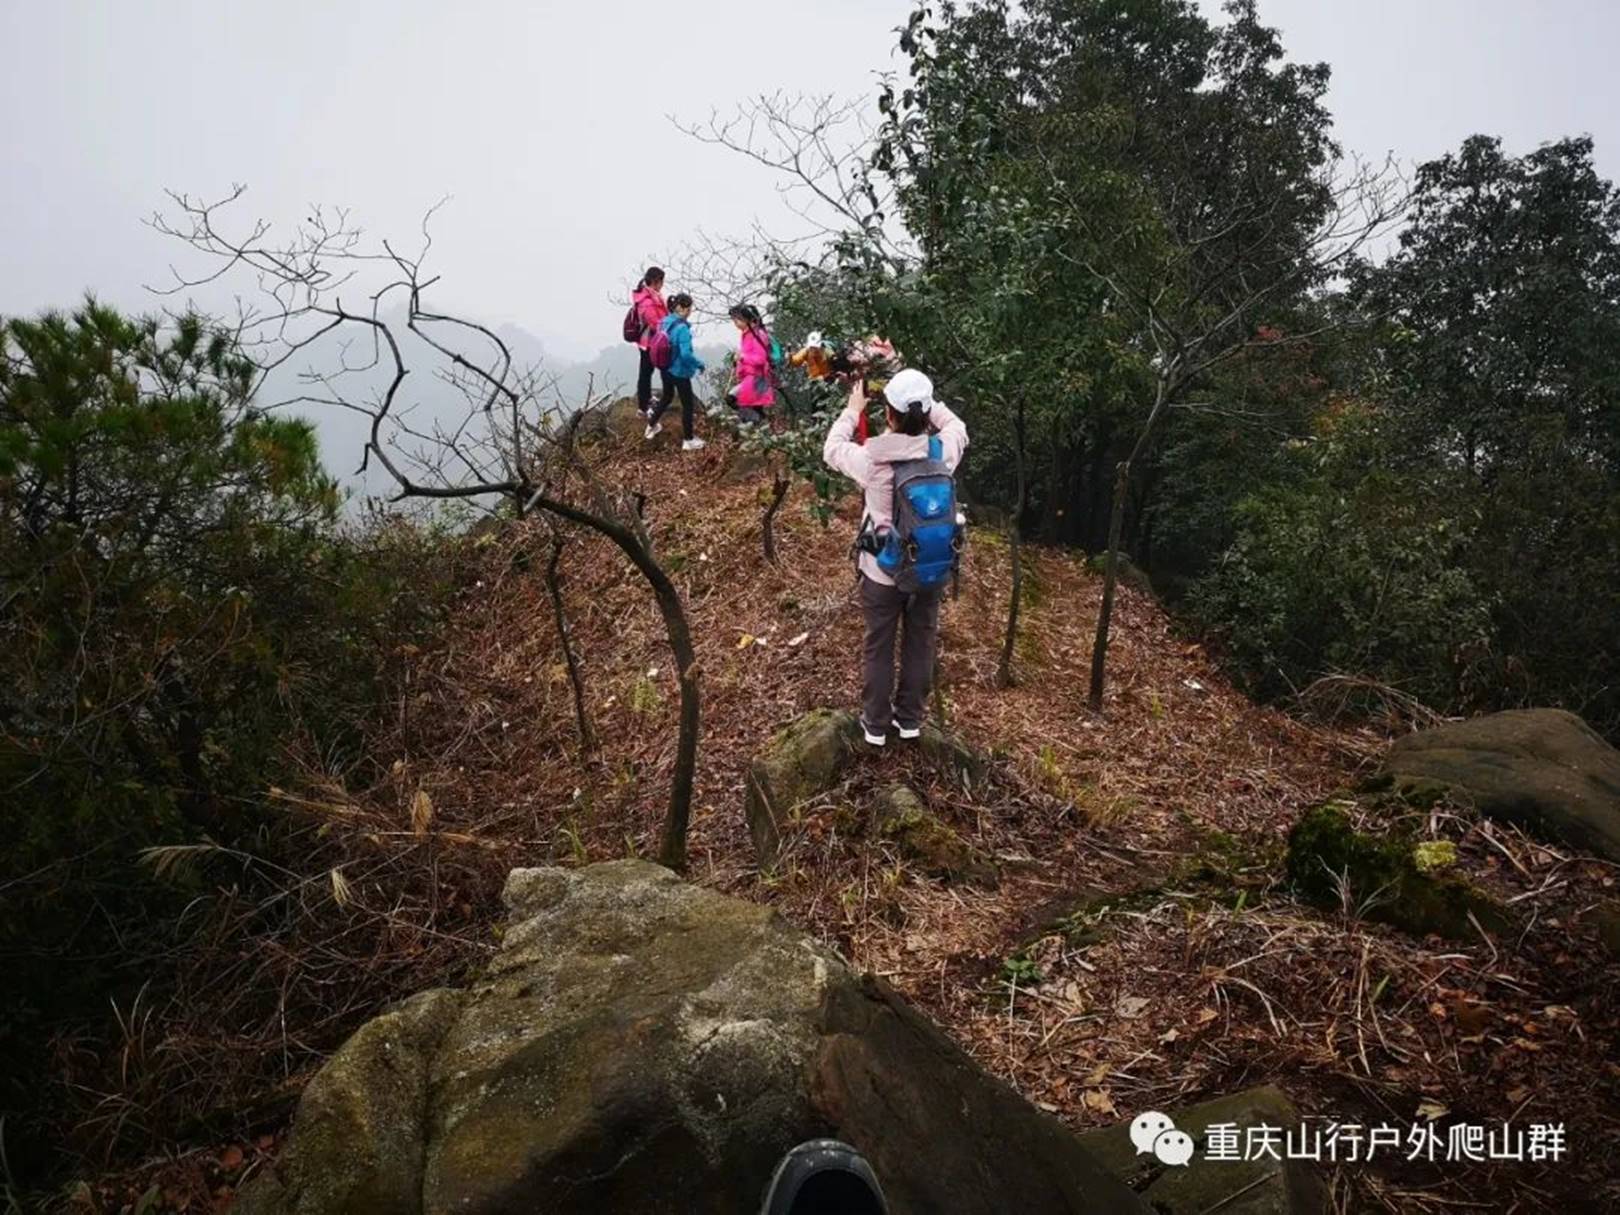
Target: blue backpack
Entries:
(920, 552)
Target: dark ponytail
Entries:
(749, 316)
(679, 300)
(655, 274)
(912, 420)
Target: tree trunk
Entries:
(1099, 649)
(672, 847)
(1004, 673)
(779, 488)
(587, 738)
(1093, 492)
(1116, 522)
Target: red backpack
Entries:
(632, 323)
(660, 349)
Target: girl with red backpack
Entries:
(755, 389)
(647, 304)
(671, 348)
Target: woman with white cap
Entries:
(919, 428)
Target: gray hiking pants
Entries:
(884, 608)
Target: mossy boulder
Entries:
(901, 816)
(804, 760)
(641, 1045)
(1233, 1187)
(1544, 770)
(952, 757)
(363, 1109)
(1386, 877)
(813, 754)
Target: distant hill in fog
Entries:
(613, 370)
(425, 399)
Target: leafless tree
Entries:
(324, 283)
(815, 148)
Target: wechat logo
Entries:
(1154, 1132)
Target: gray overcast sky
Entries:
(544, 121)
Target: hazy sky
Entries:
(544, 121)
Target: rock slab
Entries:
(1544, 770)
(639, 1044)
(1232, 1187)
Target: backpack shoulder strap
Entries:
(936, 449)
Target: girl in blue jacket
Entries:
(683, 366)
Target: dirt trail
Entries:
(1210, 978)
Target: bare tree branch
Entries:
(485, 452)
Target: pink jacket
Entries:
(754, 386)
(651, 309)
(872, 466)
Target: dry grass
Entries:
(1181, 994)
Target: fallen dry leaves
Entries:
(1181, 994)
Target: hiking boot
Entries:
(824, 1177)
(693, 445)
(876, 737)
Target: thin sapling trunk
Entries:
(587, 737)
(779, 489)
(1004, 673)
(1116, 523)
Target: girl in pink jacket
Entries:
(648, 298)
(755, 388)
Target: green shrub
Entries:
(1368, 580)
(182, 623)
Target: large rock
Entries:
(1542, 769)
(642, 1045)
(1233, 1187)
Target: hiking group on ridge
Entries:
(912, 532)
(663, 332)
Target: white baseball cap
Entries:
(908, 388)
